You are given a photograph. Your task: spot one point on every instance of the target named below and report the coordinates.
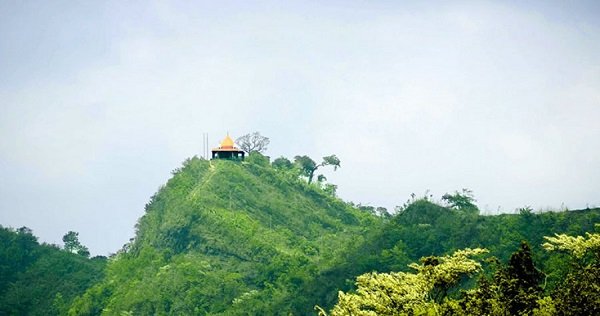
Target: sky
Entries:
(101, 100)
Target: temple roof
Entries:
(227, 144)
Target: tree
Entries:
(463, 200)
(579, 293)
(403, 293)
(72, 244)
(330, 189)
(306, 165)
(518, 283)
(309, 166)
(282, 163)
(253, 142)
(258, 159)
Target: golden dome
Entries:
(227, 143)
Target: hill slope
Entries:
(230, 238)
(424, 229)
(227, 238)
(41, 279)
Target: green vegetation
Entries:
(259, 238)
(72, 244)
(307, 166)
(229, 238)
(514, 289)
(41, 279)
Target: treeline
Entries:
(270, 238)
(423, 229)
(514, 288)
(41, 279)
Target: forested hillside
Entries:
(41, 279)
(254, 238)
(424, 229)
(226, 237)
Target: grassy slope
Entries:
(244, 238)
(220, 232)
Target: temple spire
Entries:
(227, 150)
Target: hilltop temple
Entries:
(227, 150)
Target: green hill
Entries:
(248, 238)
(41, 279)
(425, 229)
(225, 237)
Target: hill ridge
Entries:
(245, 220)
(245, 238)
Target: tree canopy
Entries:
(41, 279)
(253, 142)
(282, 163)
(308, 166)
(514, 288)
(72, 244)
(463, 200)
(406, 293)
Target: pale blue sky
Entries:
(99, 101)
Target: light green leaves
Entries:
(399, 293)
(577, 246)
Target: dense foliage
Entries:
(226, 237)
(400, 293)
(260, 238)
(41, 279)
(514, 289)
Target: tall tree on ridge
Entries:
(72, 244)
(309, 166)
(253, 142)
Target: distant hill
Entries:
(424, 229)
(41, 279)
